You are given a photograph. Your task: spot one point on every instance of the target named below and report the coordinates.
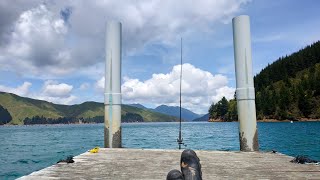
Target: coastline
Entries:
(85, 123)
(210, 120)
(271, 120)
(288, 120)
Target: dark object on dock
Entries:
(303, 160)
(190, 165)
(68, 160)
(175, 175)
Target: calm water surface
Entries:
(25, 149)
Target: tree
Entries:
(304, 102)
(222, 108)
(5, 116)
(232, 114)
(132, 117)
(212, 111)
(219, 110)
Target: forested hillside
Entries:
(289, 88)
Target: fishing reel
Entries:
(180, 142)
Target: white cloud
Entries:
(59, 93)
(42, 40)
(84, 86)
(37, 41)
(51, 91)
(99, 85)
(37, 44)
(199, 88)
(58, 100)
(226, 91)
(161, 20)
(22, 90)
(54, 89)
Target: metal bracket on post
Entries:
(112, 98)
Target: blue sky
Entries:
(55, 50)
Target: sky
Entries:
(55, 50)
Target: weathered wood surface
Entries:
(155, 164)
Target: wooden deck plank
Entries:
(155, 164)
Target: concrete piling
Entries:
(248, 134)
(112, 122)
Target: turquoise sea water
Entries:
(25, 149)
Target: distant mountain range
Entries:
(202, 118)
(175, 111)
(139, 106)
(186, 114)
(22, 109)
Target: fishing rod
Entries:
(180, 139)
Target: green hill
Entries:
(289, 88)
(21, 108)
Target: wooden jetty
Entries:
(156, 163)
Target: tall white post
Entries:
(112, 121)
(248, 134)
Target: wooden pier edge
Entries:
(156, 163)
